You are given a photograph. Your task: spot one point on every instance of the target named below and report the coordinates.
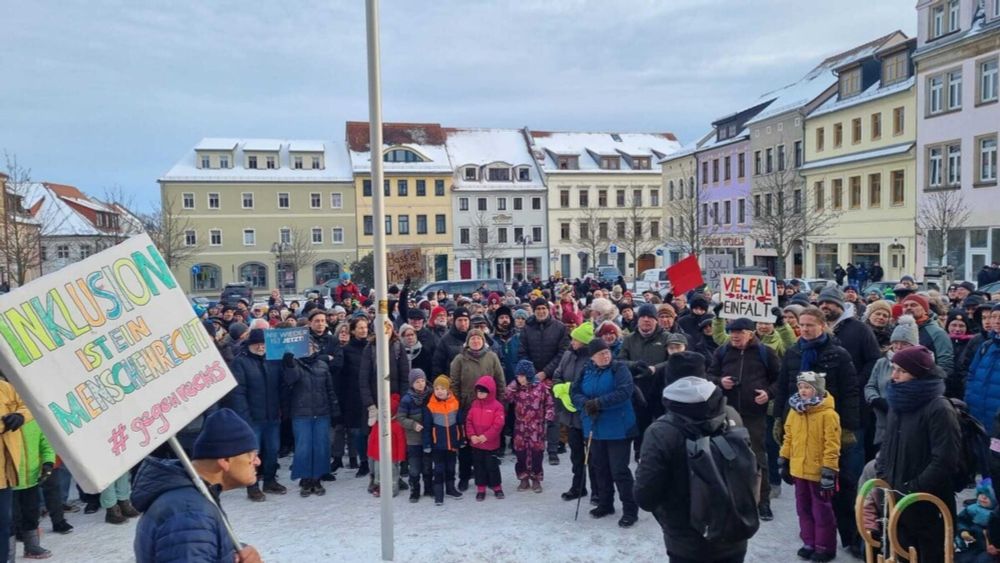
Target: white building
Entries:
(498, 205)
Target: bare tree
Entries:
(786, 215)
(483, 243)
(940, 214)
(299, 253)
(169, 233)
(125, 222)
(592, 236)
(21, 242)
(637, 240)
(690, 226)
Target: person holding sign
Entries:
(13, 413)
(178, 522)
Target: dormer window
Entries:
(252, 162)
(272, 163)
(224, 161)
(568, 162)
(895, 68)
(297, 162)
(850, 82)
(315, 163)
(610, 163)
(206, 161)
(641, 163)
(499, 174)
(523, 174)
(953, 11)
(401, 155)
(470, 173)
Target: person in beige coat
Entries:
(475, 361)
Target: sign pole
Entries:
(382, 310)
(200, 485)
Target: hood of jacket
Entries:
(847, 314)
(491, 395)
(697, 404)
(155, 477)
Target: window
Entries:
(781, 158)
(386, 188)
(481, 204)
(252, 162)
(838, 194)
(285, 235)
(536, 234)
(249, 237)
(564, 198)
(206, 161)
(741, 211)
(421, 188)
(838, 135)
(315, 163)
(518, 203)
(224, 161)
(636, 198)
(564, 231)
(190, 239)
(727, 210)
(62, 251)
(855, 193)
(704, 173)
(368, 228)
(187, 200)
(499, 174)
(876, 126)
(898, 187)
(315, 200)
(654, 229)
(955, 89)
(366, 188)
(757, 168)
(271, 163)
(404, 224)
(602, 230)
(894, 69)
(988, 84)
(502, 235)
(937, 22)
(439, 187)
(85, 251)
(756, 206)
(501, 204)
(471, 173)
(518, 234)
(388, 224)
(875, 190)
(602, 198)
(317, 235)
(403, 188)
(850, 82)
(798, 154)
(213, 201)
(715, 170)
(440, 224)
(641, 163)
(401, 155)
(214, 237)
(715, 213)
(935, 95)
(954, 165)
(797, 201)
(855, 130)
(297, 162)
(463, 235)
(953, 11)
(654, 198)
(536, 203)
(610, 163)
(819, 139)
(584, 231)
(283, 202)
(524, 174)
(568, 162)
(670, 190)
(741, 163)
(463, 204)
(935, 167)
(819, 196)
(620, 198)
(769, 160)
(584, 197)
(987, 156)
(336, 200)
(727, 172)
(704, 213)
(247, 198)
(670, 227)
(421, 224)
(897, 120)
(620, 229)
(768, 205)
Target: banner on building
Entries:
(279, 341)
(747, 296)
(404, 263)
(110, 359)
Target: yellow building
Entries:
(860, 163)
(418, 179)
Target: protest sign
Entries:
(405, 263)
(715, 266)
(110, 359)
(748, 296)
(685, 275)
(282, 340)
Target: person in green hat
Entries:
(570, 368)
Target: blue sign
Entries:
(196, 269)
(659, 252)
(282, 340)
(613, 249)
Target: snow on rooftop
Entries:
(479, 147)
(337, 165)
(434, 159)
(874, 92)
(216, 144)
(858, 157)
(55, 215)
(654, 145)
(262, 145)
(305, 146)
(797, 94)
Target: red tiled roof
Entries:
(540, 134)
(65, 190)
(395, 134)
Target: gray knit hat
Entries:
(814, 379)
(906, 331)
(832, 294)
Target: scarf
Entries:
(419, 398)
(913, 394)
(504, 334)
(475, 354)
(413, 352)
(802, 405)
(810, 352)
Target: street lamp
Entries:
(278, 249)
(525, 241)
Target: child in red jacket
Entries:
(398, 449)
(483, 425)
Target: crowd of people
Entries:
(831, 390)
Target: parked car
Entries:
(464, 287)
(233, 292)
(883, 287)
(654, 280)
(990, 288)
(201, 301)
(605, 273)
(323, 289)
(809, 285)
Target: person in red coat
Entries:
(398, 449)
(483, 425)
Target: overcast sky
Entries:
(100, 93)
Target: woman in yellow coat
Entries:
(13, 414)
(809, 460)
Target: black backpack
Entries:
(972, 451)
(722, 474)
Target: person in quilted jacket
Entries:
(533, 410)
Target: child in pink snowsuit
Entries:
(483, 424)
(533, 409)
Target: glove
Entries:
(592, 407)
(827, 483)
(717, 309)
(45, 473)
(372, 415)
(778, 433)
(779, 316)
(879, 404)
(12, 421)
(288, 360)
(783, 470)
(640, 369)
(847, 438)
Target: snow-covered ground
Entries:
(344, 526)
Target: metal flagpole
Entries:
(386, 478)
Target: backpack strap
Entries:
(725, 449)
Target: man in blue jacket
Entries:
(178, 523)
(982, 386)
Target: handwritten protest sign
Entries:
(715, 266)
(109, 358)
(405, 263)
(282, 340)
(748, 296)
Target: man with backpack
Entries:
(702, 521)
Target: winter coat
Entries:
(662, 483)
(982, 386)
(860, 343)
(311, 390)
(570, 369)
(543, 343)
(533, 408)
(689, 322)
(875, 389)
(424, 358)
(780, 340)
(411, 413)
(397, 436)
(511, 347)
(749, 373)
(225, 348)
(486, 417)
(841, 381)
(651, 350)
(345, 290)
(612, 386)
(448, 347)
(466, 370)
(812, 440)
(258, 393)
(443, 425)
(37, 451)
(955, 383)
(934, 338)
(347, 385)
(178, 523)
(11, 443)
(399, 373)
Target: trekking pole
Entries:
(586, 461)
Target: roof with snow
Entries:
(215, 144)
(589, 147)
(338, 166)
(858, 157)
(979, 27)
(63, 210)
(482, 147)
(874, 92)
(426, 140)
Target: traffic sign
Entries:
(659, 252)
(613, 249)
(196, 269)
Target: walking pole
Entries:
(200, 485)
(586, 461)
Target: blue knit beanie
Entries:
(525, 368)
(224, 434)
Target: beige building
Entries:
(259, 209)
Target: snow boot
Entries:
(553, 459)
(403, 485)
(353, 462)
(764, 511)
(428, 487)
(328, 477)
(574, 494)
(463, 485)
(113, 516)
(498, 492)
(317, 488)
(822, 557)
(91, 508)
(536, 485)
(305, 487)
(337, 463)
(627, 520)
(805, 552)
(32, 548)
(127, 509)
(363, 469)
(601, 512)
(62, 527)
(450, 490)
(254, 493)
(274, 487)
(415, 491)
(438, 494)
(525, 485)
(481, 493)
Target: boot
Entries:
(62, 527)
(525, 485)
(336, 464)
(403, 485)
(353, 462)
(127, 509)
(415, 490)
(327, 477)
(32, 548)
(438, 494)
(254, 494)
(305, 487)
(376, 492)
(536, 485)
(574, 494)
(764, 511)
(317, 488)
(553, 459)
(498, 492)
(114, 516)
(450, 490)
(362, 469)
(274, 487)
(463, 484)
(428, 486)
